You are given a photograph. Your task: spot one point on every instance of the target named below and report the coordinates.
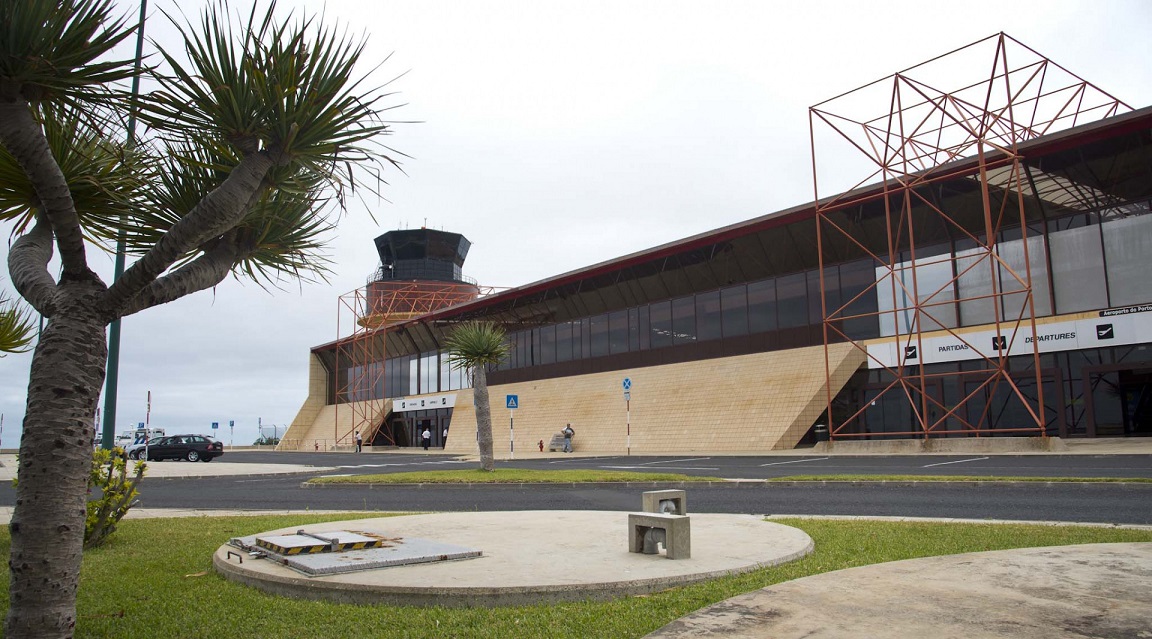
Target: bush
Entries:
(117, 494)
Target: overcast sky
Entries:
(555, 135)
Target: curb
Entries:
(734, 483)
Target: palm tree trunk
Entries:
(55, 460)
(483, 417)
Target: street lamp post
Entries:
(114, 330)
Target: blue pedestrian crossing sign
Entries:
(627, 383)
(215, 425)
(512, 402)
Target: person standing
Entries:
(444, 441)
(359, 440)
(427, 437)
(568, 433)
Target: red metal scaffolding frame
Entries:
(921, 136)
(361, 356)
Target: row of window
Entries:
(1084, 262)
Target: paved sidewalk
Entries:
(1064, 592)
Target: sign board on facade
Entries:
(1113, 330)
(430, 402)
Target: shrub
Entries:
(117, 494)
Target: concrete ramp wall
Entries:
(334, 426)
(749, 403)
(320, 426)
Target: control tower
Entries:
(420, 272)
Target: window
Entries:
(708, 316)
(660, 324)
(975, 268)
(1127, 245)
(762, 306)
(618, 332)
(1012, 253)
(564, 342)
(684, 320)
(858, 299)
(1078, 268)
(599, 335)
(791, 300)
(634, 329)
(734, 311)
(547, 351)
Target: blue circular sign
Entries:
(627, 383)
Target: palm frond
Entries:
(106, 178)
(475, 344)
(54, 51)
(281, 237)
(15, 328)
(285, 86)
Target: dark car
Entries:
(190, 447)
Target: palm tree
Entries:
(474, 346)
(260, 128)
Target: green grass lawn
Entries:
(154, 579)
(509, 476)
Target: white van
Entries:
(128, 437)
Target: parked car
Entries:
(190, 447)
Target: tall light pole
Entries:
(114, 331)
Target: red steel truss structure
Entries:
(367, 312)
(908, 136)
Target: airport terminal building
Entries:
(987, 277)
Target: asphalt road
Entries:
(764, 467)
(1036, 501)
(1101, 502)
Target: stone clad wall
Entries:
(748, 403)
(311, 408)
(320, 424)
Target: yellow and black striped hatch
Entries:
(307, 543)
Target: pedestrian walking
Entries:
(427, 437)
(359, 440)
(444, 441)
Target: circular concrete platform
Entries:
(528, 557)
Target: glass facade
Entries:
(1099, 392)
(1079, 262)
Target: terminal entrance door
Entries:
(408, 428)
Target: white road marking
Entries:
(576, 459)
(795, 461)
(675, 461)
(958, 461)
